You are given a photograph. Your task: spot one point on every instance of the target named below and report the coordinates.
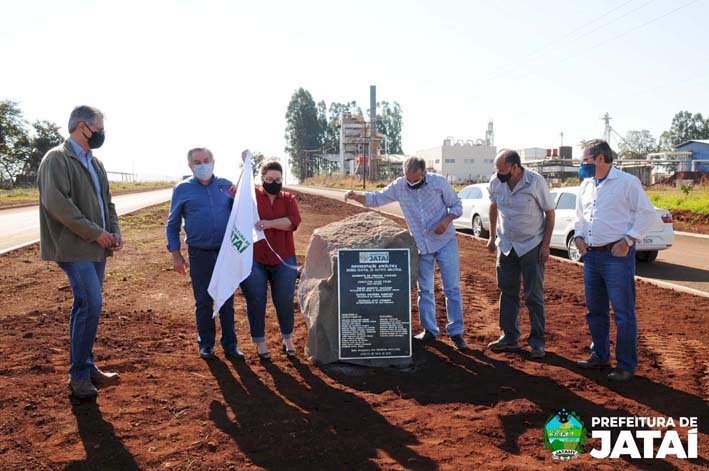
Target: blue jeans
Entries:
(609, 278)
(449, 265)
(510, 268)
(201, 267)
(86, 279)
(282, 281)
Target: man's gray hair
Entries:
(413, 164)
(87, 114)
(198, 149)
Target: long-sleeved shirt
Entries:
(205, 210)
(85, 158)
(423, 208)
(521, 220)
(615, 207)
(283, 206)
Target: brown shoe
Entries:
(82, 389)
(101, 379)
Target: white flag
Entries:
(236, 255)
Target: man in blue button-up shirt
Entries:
(429, 204)
(204, 202)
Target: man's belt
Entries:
(601, 248)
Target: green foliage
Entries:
(686, 189)
(695, 200)
(685, 126)
(303, 131)
(22, 151)
(389, 123)
(313, 129)
(637, 144)
(14, 141)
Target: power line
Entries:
(576, 30)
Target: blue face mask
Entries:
(203, 171)
(587, 170)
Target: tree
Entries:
(685, 126)
(389, 123)
(637, 145)
(14, 141)
(303, 131)
(46, 136)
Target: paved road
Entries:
(686, 263)
(20, 226)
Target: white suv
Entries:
(660, 237)
(476, 209)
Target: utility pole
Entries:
(607, 130)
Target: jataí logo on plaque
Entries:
(564, 434)
(374, 257)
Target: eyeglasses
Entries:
(272, 180)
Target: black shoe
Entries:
(206, 353)
(620, 375)
(502, 345)
(537, 353)
(289, 353)
(592, 362)
(235, 354)
(459, 342)
(425, 336)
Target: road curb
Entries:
(692, 234)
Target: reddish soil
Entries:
(689, 221)
(463, 411)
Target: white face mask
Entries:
(203, 171)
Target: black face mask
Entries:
(504, 177)
(418, 184)
(96, 139)
(272, 188)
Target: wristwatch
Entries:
(629, 240)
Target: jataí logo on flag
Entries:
(238, 240)
(236, 255)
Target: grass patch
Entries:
(695, 200)
(20, 196)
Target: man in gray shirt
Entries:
(521, 223)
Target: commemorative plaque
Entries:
(374, 303)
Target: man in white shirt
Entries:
(613, 213)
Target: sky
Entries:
(172, 75)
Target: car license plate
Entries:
(647, 240)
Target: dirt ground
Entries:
(688, 221)
(463, 411)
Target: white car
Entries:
(660, 237)
(476, 209)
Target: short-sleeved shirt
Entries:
(423, 208)
(520, 222)
(283, 206)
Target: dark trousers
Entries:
(511, 269)
(201, 267)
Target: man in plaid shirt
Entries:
(429, 204)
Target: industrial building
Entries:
(463, 160)
(699, 155)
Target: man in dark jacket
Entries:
(78, 230)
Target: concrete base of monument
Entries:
(318, 287)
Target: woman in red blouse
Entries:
(279, 218)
